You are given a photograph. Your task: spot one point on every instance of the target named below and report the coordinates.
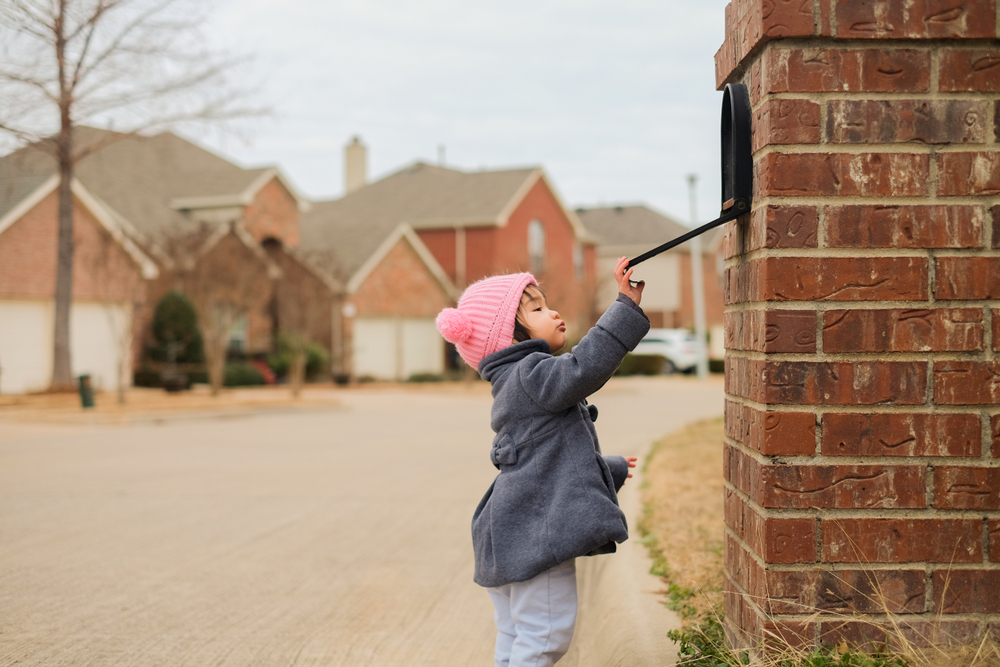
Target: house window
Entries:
(536, 246)
(578, 261)
(238, 335)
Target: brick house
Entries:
(110, 278)
(174, 212)
(667, 299)
(406, 245)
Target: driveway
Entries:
(333, 535)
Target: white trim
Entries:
(330, 281)
(244, 198)
(581, 232)
(504, 217)
(212, 201)
(402, 231)
(29, 202)
(113, 225)
(443, 223)
(239, 231)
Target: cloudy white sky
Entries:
(615, 99)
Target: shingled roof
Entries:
(632, 227)
(347, 231)
(148, 181)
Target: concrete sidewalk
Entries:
(330, 532)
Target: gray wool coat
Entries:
(556, 495)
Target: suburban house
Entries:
(406, 245)
(363, 275)
(668, 297)
(151, 214)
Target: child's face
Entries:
(543, 323)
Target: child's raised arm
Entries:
(625, 285)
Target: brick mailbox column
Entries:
(863, 323)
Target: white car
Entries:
(677, 347)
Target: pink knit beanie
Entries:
(483, 323)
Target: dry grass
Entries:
(683, 522)
(684, 526)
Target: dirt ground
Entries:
(683, 495)
(257, 530)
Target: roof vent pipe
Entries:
(355, 165)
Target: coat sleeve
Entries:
(619, 470)
(557, 383)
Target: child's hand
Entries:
(631, 463)
(625, 286)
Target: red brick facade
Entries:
(863, 392)
(274, 213)
(496, 250)
(102, 270)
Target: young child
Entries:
(556, 495)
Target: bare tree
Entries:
(139, 64)
(227, 275)
(303, 306)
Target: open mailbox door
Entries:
(737, 167)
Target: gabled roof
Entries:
(635, 226)
(349, 230)
(147, 181)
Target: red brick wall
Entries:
(441, 243)
(102, 270)
(497, 250)
(273, 214)
(400, 286)
(714, 304)
(863, 387)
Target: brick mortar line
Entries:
(832, 43)
(837, 514)
(815, 461)
(818, 306)
(925, 566)
(821, 410)
(983, 200)
(834, 617)
(821, 97)
(876, 253)
(871, 253)
(847, 357)
(900, 148)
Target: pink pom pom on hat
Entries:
(483, 323)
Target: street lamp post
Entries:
(697, 285)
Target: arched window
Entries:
(578, 260)
(536, 246)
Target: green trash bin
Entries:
(86, 392)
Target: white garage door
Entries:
(97, 343)
(26, 344)
(396, 348)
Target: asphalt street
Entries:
(322, 536)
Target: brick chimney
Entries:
(355, 165)
(863, 324)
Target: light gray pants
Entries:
(535, 618)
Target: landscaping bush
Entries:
(175, 322)
(242, 375)
(317, 358)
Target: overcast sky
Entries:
(616, 100)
